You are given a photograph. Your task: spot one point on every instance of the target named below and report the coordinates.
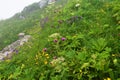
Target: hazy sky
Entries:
(9, 7)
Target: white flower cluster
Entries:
(58, 63)
(55, 35)
(58, 60)
(77, 5)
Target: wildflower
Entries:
(6, 53)
(55, 40)
(108, 79)
(16, 51)
(3, 59)
(77, 5)
(61, 59)
(54, 35)
(47, 57)
(45, 62)
(55, 57)
(45, 49)
(63, 39)
(57, 60)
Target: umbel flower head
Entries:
(54, 35)
(77, 5)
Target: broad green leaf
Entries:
(99, 44)
(81, 56)
(118, 28)
(70, 54)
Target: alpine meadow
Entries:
(68, 40)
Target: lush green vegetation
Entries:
(20, 22)
(80, 41)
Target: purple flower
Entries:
(6, 53)
(2, 59)
(16, 51)
(63, 39)
(55, 40)
(45, 49)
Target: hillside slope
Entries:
(20, 22)
(77, 41)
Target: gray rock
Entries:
(21, 35)
(8, 51)
(43, 3)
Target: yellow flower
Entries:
(45, 62)
(108, 78)
(46, 55)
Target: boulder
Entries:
(21, 35)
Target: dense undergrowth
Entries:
(80, 41)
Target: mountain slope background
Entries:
(30, 16)
(77, 40)
(10, 28)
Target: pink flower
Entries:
(63, 39)
(55, 40)
(45, 49)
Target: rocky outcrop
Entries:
(51, 1)
(8, 51)
(43, 3)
